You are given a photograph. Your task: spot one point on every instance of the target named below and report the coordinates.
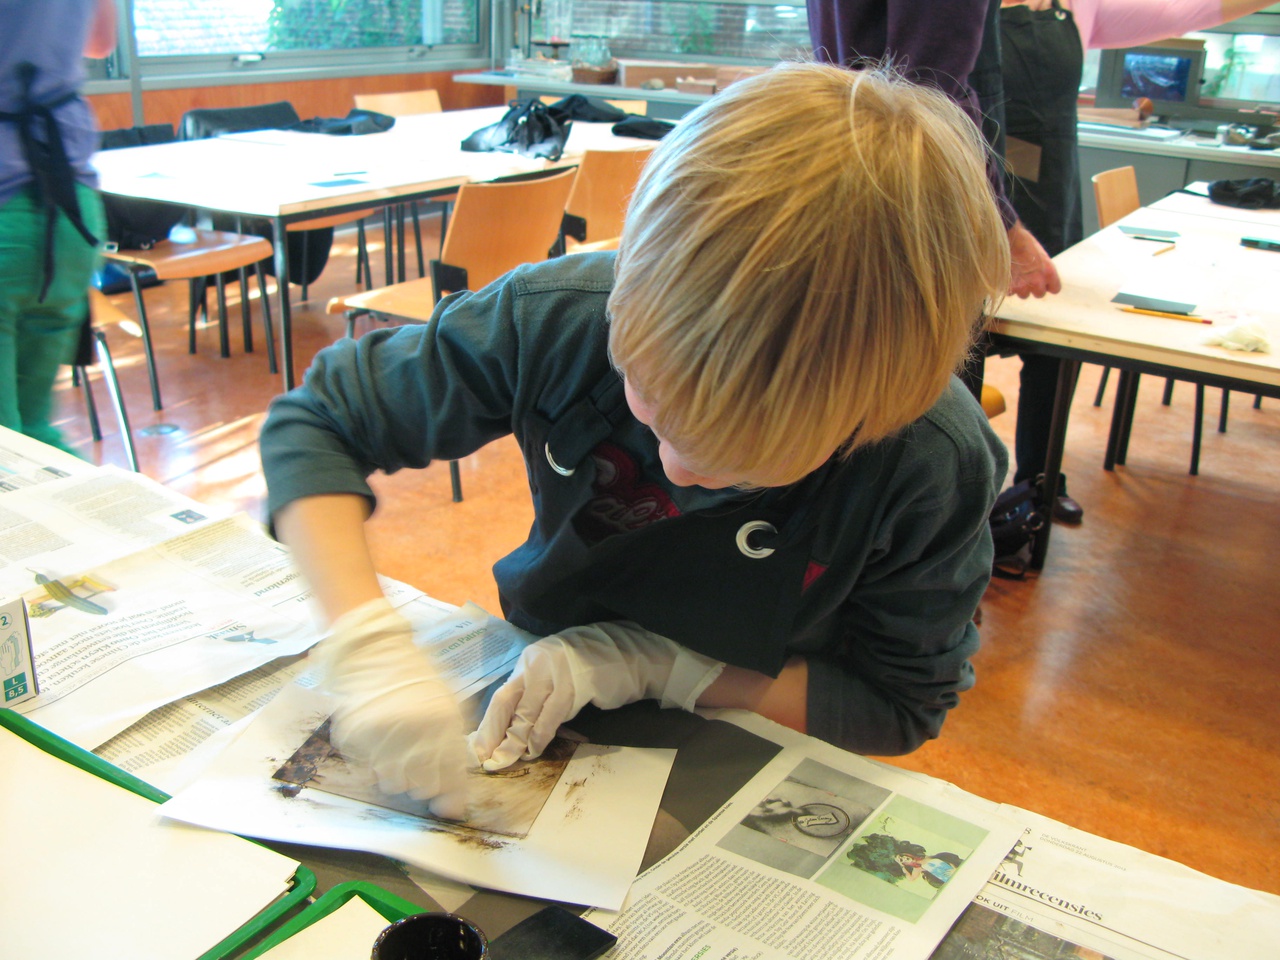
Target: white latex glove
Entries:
(607, 664)
(391, 710)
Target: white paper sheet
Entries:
(584, 848)
(346, 934)
(92, 870)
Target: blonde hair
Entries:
(804, 263)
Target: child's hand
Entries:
(607, 664)
(391, 709)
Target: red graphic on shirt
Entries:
(812, 573)
(622, 503)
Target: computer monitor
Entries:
(1169, 75)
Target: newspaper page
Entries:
(70, 523)
(25, 462)
(1062, 892)
(856, 860)
(115, 641)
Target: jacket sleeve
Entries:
(395, 398)
(1124, 23)
(902, 660)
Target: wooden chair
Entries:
(495, 228)
(402, 103)
(598, 203)
(211, 254)
(638, 107)
(408, 103)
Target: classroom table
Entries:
(1229, 283)
(288, 176)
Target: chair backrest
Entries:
(639, 108)
(606, 179)
(495, 227)
(1115, 192)
(404, 103)
(212, 121)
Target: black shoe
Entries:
(1066, 510)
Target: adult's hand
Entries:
(392, 710)
(608, 664)
(1032, 272)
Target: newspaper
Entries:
(1064, 892)
(1054, 892)
(856, 860)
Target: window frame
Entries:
(113, 74)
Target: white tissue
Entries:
(1250, 337)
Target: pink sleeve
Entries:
(1123, 23)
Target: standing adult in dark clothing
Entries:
(935, 43)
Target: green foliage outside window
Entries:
(344, 24)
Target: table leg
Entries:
(286, 317)
(1068, 371)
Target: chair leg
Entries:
(1197, 431)
(1102, 387)
(1117, 419)
(1222, 411)
(455, 481)
(195, 296)
(1122, 452)
(417, 239)
(146, 341)
(117, 397)
(246, 313)
(446, 208)
(1257, 401)
(267, 330)
(400, 254)
(224, 338)
(303, 280)
(1168, 391)
(363, 278)
(81, 376)
(388, 243)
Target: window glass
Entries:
(667, 27)
(168, 28)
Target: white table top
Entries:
(1228, 283)
(280, 173)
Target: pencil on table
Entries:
(1189, 318)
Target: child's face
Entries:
(672, 464)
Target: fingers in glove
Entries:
(530, 726)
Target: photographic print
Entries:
(504, 802)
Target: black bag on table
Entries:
(1016, 519)
(1254, 193)
(528, 128)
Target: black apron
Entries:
(54, 180)
(726, 583)
(1043, 63)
